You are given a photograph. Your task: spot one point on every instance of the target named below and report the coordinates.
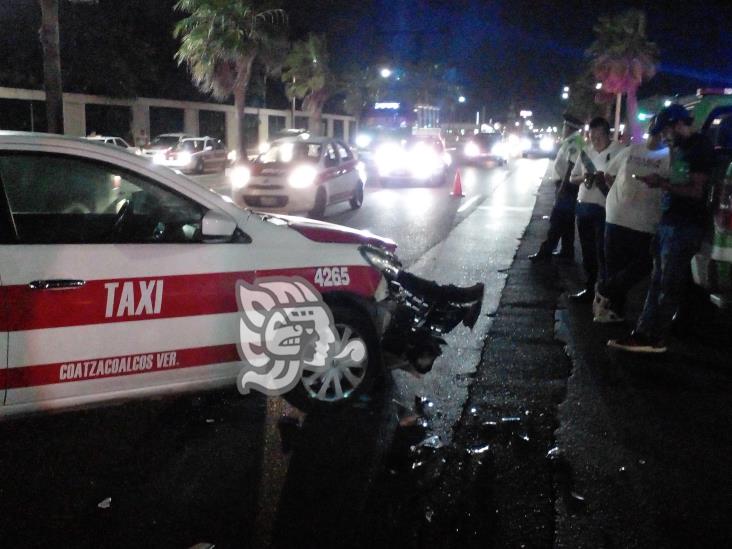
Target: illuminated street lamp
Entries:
(566, 89)
(385, 72)
(461, 99)
(565, 95)
(598, 86)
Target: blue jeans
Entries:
(673, 247)
(591, 230)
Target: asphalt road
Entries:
(223, 469)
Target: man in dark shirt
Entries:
(679, 232)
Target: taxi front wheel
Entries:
(351, 369)
(357, 200)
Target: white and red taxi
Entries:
(300, 174)
(117, 278)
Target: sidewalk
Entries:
(641, 449)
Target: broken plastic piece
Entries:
(429, 513)
(434, 442)
(106, 503)
(479, 449)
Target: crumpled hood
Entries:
(320, 231)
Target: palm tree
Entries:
(307, 76)
(623, 58)
(52, 83)
(220, 39)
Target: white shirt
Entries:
(600, 160)
(568, 152)
(631, 203)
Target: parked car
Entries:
(300, 174)
(163, 143)
(195, 155)
(123, 279)
(712, 266)
(115, 141)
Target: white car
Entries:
(119, 279)
(300, 174)
(163, 143)
(419, 158)
(115, 141)
(194, 155)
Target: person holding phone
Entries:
(679, 232)
(633, 210)
(589, 175)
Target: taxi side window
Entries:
(63, 200)
(330, 156)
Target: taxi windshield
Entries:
(164, 141)
(289, 151)
(190, 145)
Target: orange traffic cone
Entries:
(457, 186)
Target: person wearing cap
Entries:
(589, 175)
(561, 221)
(680, 230)
(632, 212)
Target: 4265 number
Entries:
(328, 277)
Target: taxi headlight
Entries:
(302, 176)
(231, 156)
(185, 158)
(381, 260)
(159, 158)
(363, 140)
(239, 177)
(263, 148)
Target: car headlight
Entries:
(388, 158)
(471, 149)
(500, 150)
(546, 144)
(263, 148)
(159, 158)
(363, 140)
(239, 177)
(185, 157)
(381, 260)
(302, 176)
(525, 144)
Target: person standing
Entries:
(589, 174)
(561, 221)
(633, 211)
(679, 232)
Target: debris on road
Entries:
(106, 503)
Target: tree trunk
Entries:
(632, 111)
(241, 84)
(316, 121)
(618, 106)
(48, 34)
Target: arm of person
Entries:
(693, 189)
(578, 173)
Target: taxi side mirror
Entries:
(217, 226)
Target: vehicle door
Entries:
(5, 237)
(111, 289)
(332, 173)
(349, 174)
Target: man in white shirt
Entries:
(589, 174)
(561, 221)
(632, 213)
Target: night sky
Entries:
(520, 51)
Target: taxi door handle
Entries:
(56, 284)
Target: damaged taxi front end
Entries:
(416, 313)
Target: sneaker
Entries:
(607, 316)
(637, 343)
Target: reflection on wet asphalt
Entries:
(234, 471)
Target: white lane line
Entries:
(468, 204)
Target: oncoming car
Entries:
(300, 174)
(163, 143)
(194, 155)
(119, 279)
(115, 142)
(420, 158)
(485, 146)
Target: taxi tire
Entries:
(357, 200)
(360, 323)
(318, 211)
